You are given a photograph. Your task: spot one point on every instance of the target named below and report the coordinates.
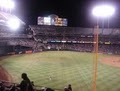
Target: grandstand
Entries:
(70, 37)
(64, 38)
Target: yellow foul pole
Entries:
(95, 63)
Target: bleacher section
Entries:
(73, 30)
(78, 39)
(40, 38)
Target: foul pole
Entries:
(95, 61)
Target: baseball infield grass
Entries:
(57, 69)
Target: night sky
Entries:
(78, 12)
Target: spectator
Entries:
(69, 87)
(66, 89)
(46, 89)
(25, 84)
(2, 88)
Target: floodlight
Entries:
(14, 24)
(7, 4)
(0, 3)
(11, 4)
(103, 11)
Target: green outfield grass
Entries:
(57, 69)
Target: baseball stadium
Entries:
(55, 56)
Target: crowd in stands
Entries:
(27, 85)
(107, 44)
(60, 38)
(110, 49)
(22, 42)
(103, 48)
(52, 30)
(48, 38)
(41, 38)
(81, 44)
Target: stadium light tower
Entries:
(101, 11)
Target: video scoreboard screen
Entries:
(52, 21)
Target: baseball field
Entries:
(57, 69)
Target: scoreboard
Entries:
(56, 21)
(61, 22)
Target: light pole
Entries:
(102, 11)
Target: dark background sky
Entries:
(78, 12)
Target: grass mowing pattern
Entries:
(59, 68)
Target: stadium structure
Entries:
(43, 37)
(40, 38)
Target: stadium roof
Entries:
(5, 17)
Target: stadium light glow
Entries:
(103, 11)
(11, 4)
(7, 4)
(14, 24)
